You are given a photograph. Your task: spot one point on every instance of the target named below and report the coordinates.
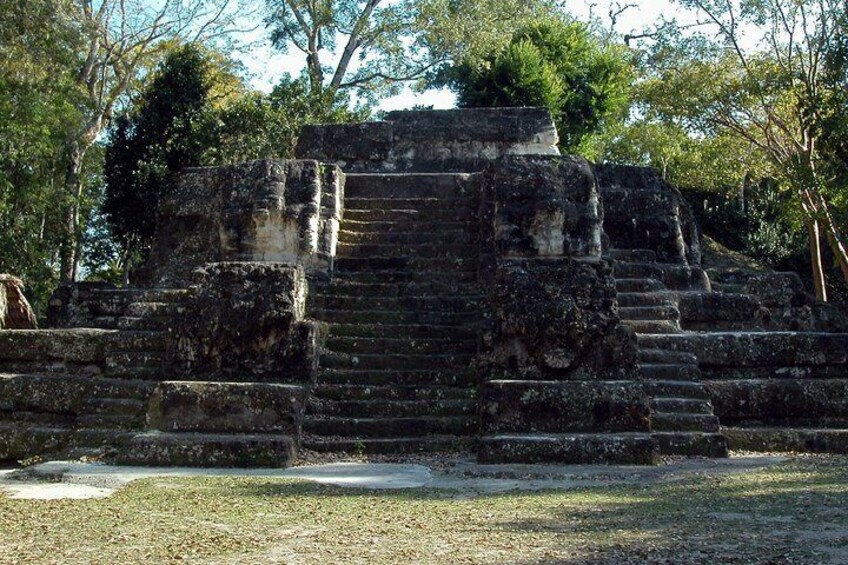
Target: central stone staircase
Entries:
(402, 309)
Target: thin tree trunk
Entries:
(816, 259)
(69, 256)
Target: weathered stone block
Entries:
(258, 211)
(555, 320)
(244, 322)
(207, 450)
(463, 140)
(44, 394)
(227, 407)
(642, 211)
(20, 442)
(79, 346)
(814, 440)
(781, 401)
(542, 207)
(570, 449)
(561, 407)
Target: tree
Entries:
(117, 41)
(196, 111)
(374, 58)
(37, 102)
(769, 96)
(555, 64)
(167, 130)
(370, 48)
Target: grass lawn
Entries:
(795, 512)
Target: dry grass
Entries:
(795, 512)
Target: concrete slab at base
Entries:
(788, 440)
(207, 450)
(569, 449)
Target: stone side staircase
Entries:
(102, 374)
(402, 310)
(682, 417)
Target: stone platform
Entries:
(438, 281)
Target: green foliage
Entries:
(37, 102)
(166, 131)
(555, 64)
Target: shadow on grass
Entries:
(773, 516)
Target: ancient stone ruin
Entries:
(438, 281)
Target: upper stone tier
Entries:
(443, 141)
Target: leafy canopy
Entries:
(556, 64)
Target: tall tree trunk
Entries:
(816, 259)
(69, 255)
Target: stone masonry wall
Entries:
(274, 211)
(556, 359)
(426, 141)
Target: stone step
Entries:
(135, 364)
(450, 304)
(666, 357)
(116, 406)
(428, 185)
(631, 299)
(577, 449)
(147, 323)
(649, 313)
(454, 203)
(423, 250)
(23, 441)
(419, 264)
(692, 444)
(333, 360)
(407, 226)
(390, 317)
(389, 446)
(670, 372)
(372, 392)
(389, 346)
(340, 285)
(632, 255)
(404, 331)
(676, 422)
(389, 427)
(673, 276)
(409, 276)
(154, 309)
(663, 341)
(444, 237)
(391, 408)
(787, 439)
(152, 341)
(111, 421)
(114, 302)
(682, 405)
(207, 450)
(638, 285)
(653, 326)
(395, 214)
(28, 418)
(393, 378)
(146, 295)
(676, 389)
